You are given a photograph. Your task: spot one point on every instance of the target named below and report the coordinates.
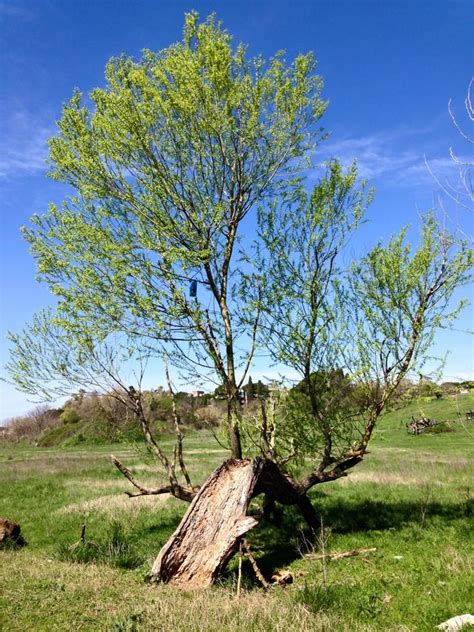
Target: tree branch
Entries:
(183, 493)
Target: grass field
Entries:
(412, 499)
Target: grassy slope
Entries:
(412, 499)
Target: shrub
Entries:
(33, 425)
(70, 416)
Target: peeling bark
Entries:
(211, 529)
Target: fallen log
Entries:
(211, 530)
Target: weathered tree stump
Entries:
(211, 529)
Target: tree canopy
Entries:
(192, 233)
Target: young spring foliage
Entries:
(352, 332)
(166, 161)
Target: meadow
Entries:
(412, 499)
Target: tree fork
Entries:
(211, 530)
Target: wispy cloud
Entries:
(23, 145)
(16, 12)
(373, 154)
(460, 376)
(401, 157)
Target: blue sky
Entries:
(389, 69)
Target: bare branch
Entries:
(183, 493)
(177, 425)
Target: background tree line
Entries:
(96, 417)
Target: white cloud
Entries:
(400, 157)
(16, 12)
(459, 376)
(23, 144)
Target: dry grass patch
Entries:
(145, 467)
(456, 561)
(100, 598)
(94, 484)
(220, 451)
(115, 504)
(48, 465)
(392, 478)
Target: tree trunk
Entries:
(233, 419)
(210, 532)
(279, 487)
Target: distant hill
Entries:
(94, 419)
(101, 418)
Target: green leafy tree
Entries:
(261, 390)
(171, 157)
(374, 320)
(257, 390)
(147, 258)
(219, 392)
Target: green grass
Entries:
(412, 499)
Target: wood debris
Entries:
(338, 556)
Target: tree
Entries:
(465, 188)
(147, 259)
(261, 390)
(249, 389)
(459, 190)
(179, 148)
(257, 390)
(374, 322)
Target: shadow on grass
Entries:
(274, 545)
(279, 545)
(166, 525)
(376, 515)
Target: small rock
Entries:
(456, 623)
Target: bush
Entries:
(100, 417)
(70, 416)
(210, 415)
(33, 425)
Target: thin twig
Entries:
(337, 556)
(178, 451)
(239, 576)
(246, 548)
